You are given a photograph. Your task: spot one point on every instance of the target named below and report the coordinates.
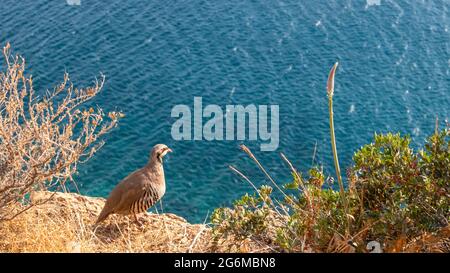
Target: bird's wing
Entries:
(131, 189)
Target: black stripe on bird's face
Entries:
(159, 156)
(161, 153)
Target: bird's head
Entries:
(159, 151)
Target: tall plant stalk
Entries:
(330, 93)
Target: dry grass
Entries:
(65, 224)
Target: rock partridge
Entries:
(140, 190)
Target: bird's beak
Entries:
(166, 151)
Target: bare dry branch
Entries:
(42, 139)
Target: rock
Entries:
(90, 205)
(75, 201)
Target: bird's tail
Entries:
(103, 215)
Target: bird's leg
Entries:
(137, 220)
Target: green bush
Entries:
(248, 218)
(407, 192)
(392, 192)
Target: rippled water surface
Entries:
(394, 75)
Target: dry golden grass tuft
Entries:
(437, 242)
(65, 224)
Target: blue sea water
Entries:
(394, 75)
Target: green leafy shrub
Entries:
(434, 167)
(247, 218)
(407, 192)
(386, 172)
(392, 193)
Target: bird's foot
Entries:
(138, 222)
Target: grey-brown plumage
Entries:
(140, 190)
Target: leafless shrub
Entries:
(43, 138)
